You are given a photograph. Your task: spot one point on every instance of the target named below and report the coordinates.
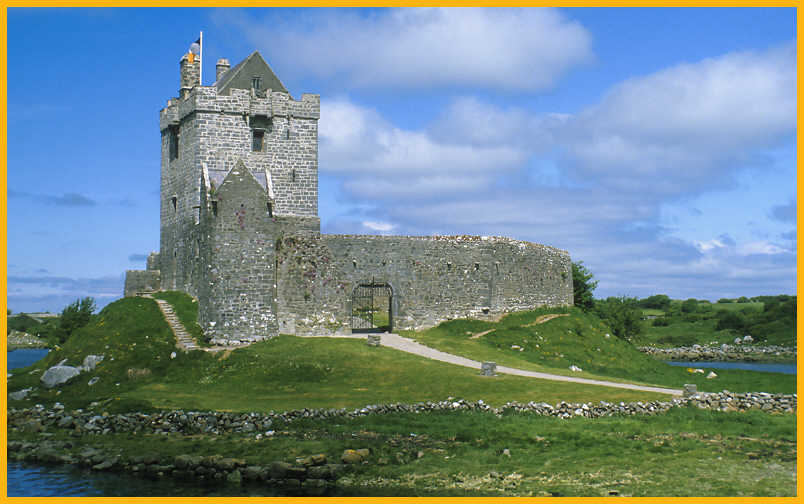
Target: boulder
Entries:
(20, 394)
(279, 469)
(352, 457)
(58, 375)
(90, 362)
(234, 477)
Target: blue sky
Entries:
(656, 145)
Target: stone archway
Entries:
(372, 308)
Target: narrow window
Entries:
(215, 208)
(255, 83)
(287, 131)
(257, 137)
(270, 210)
(293, 175)
(173, 139)
(173, 200)
(477, 266)
(354, 264)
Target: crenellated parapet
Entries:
(239, 102)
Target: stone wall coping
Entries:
(450, 238)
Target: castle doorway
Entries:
(371, 308)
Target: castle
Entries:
(239, 229)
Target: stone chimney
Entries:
(190, 73)
(221, 68)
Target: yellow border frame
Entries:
(354, 3)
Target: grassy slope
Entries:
(556, 344)
(186, 309)
(282, 373)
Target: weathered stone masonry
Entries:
(240, 228)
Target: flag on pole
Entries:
(196, 49)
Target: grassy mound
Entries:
(536, 341)
(287, 372)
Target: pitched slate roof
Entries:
(240, 76)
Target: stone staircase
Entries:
(184, 341)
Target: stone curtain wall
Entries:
(433, 278)
(141, 281)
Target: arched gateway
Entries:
(372, 308)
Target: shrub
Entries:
(622, 314)
(689, 306)
(583, 286)
(730, 320)
(724, 300)
(75, 315)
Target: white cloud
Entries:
(378, 226)
(381, 160)
(512, 49)
(686, 128)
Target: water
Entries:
(750, 366)
(24, 357)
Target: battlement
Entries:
(239, 102)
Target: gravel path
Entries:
(410, 346)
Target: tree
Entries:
(658, 302)
(583, 286)
(622, 314)
(75, 315)
(689, 306)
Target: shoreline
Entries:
(234, 450)
(725, 353)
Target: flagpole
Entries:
(200, 57)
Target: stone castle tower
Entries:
(239, 228)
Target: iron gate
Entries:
(371, 308)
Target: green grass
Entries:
(682, 333)
(757, 306)
(652, 311)
(282, 373)
(186, 309)
(445, 453)
(289, 372)
(554, 345)
(684, 452)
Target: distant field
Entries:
(738, 306)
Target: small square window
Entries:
(257, 137)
